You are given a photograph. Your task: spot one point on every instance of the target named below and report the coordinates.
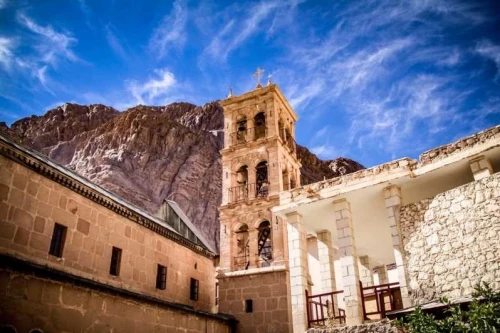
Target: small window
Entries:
(58, 238)
(195, 285)
(161, 277)
(248, 306)
(116, 257)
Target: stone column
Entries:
(326, 254)
(278, 241)
(365, 271)
(393, 201)
(349, 262)
(225, 247)
(297, 255)
(481, 168)
(253, 235)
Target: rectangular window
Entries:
(161, 277)
(195, 285)
(57, 242)
(248, 306)
(116, 257)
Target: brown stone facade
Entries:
(269, 293)
(31, 203)
(35, 298)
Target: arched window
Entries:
(241, 130)
(262, 183)
(242, 258)
(265, 249)
(281, 127)
(260, 125)
(240, 191)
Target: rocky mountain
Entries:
(150, 153)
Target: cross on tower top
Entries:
(257, 75)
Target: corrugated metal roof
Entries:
(177, 209)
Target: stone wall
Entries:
(268, 292)
(31, 204)
(452, 240)
(28, 302)
(383, 326)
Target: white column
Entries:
(349, 262)
(297, 255)
(365, 271)
(326, 254)
(393, 201)
(481, 168)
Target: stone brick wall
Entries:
(268, 292)
(28, 302)
(30, 204)
(452, 240)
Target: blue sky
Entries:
(370, 80)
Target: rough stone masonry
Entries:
(452, 240)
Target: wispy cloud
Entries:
(51, 44)
(149, 91)
(262, 17)
(115, 43)
(325, 151)
(491, 51)
(6, 52)
(171, 32)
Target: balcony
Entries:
(248, 191)
(248, 135)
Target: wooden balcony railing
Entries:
(320, 309)
(247, 135)
(379, 299)
(248, 191)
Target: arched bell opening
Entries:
(241, 129)
(260, 125)
(240, 190)
(242, 257)
(264, 246)
(262, 182)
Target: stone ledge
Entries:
(383, 326)
(253, 271)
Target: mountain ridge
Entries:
(147, 154)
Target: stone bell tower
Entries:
(259, 161)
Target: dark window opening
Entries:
(194, 289)
(260, 125)
(116, 257)
(161, 277)
(248, 306)
(265, 249)
(58, 239)
(241, 131)
(242, 258)
(261, 179)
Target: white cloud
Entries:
(51, 45)
(171, 33)
(6, 54)
(265, 16)
(3, 4)
(114, 42)
(490, 51)
(148, 92)
(41, 75)
(325, 151)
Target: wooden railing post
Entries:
(362, 300)
(308, 311)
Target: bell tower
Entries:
(258, 161)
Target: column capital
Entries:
(481, 167)
(294, 214)
(341, 204)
